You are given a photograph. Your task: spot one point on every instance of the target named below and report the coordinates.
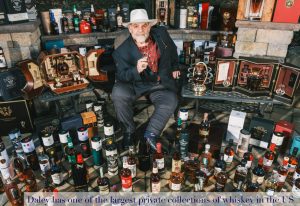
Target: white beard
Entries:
(140, 38)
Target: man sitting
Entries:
(147, 64)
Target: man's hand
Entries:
(176, 74)
(142, 64)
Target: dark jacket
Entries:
(127, 55)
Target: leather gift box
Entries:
(286, 83)
(255, 76)
(287, 11)
(225, 74)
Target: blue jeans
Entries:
(164, 101)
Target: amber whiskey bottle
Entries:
(103, 183)
(204, 127)
(240, 173)
(229, 153)
(282, 174)
(126, 177)
(29, 150)
(159, 157)
(293, 162)
(13, 193)
(155, 179)
(80, 175)
(221, 181)
(131, 162)
(258, 173)
(175, 181)
(248, 156)
(269, 158)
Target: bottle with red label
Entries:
(93, 19)
(29, 150)
(293, 162)
(155, 179)
(85, 27)
(229, 153)
(269, 158)
(248, 156)
(83, 138)
(159, 157)
(126, 177)
(282, 174)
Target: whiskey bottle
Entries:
(15, 137)
(96, 144)
(249, 157)
(17, 164)
(70, 151)
(56, 174)
(271, 184)
(49, 146)
(13, 193)
(30, 153)
(47, 186)
(201, 179)
(109, 131)
(178, 128)
(238, 188)
(83, 138)
(30, 181)
(43, 161)
(112, 158)
(258, 173)
(53, 25)
(75, 19)
(3, 64)
(219, 165)
(176, 160)
(195, 20)
(293, 162)
(144, 157)
(269, 158)
(65, 24)
(206, 157)
(93, 19)
(277, 138)
(126, 177)
(131, 162)
(296, 174)
(184, 143)
(63, 139)
(204, 127)
(4, 161)
(282, 174)
(162, 13)
(155, 179)
(229, 153)
(103, 183)
(106, 23)
(159, 157)
(80, 175)
(119, 17)
(252, 187)
(175, 181)
(240, 173)
(221, 181)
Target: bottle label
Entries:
(281, 178)
(155, 187)
(184, 115)
(176, 165)
(96, 145)
(83, 136)
(5, 173)
(267, 162)
(45, 166)
(127, 189)
(48, 141)
(28, 146)
(56, 178)
(270, 192)
(103, 189)
(126, 182)
(63, 138)
(2, 62)
(175, 187)
(220, 186)
(203, 132)
(258, 179)
(291, 168)
(108, 131)
(132, 169)
(160, 163)
(4, 155)
(111, 153)
(249, 164)
(277, 140)
(228, 159)
(217, 170)
(296, 175)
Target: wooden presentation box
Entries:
(287, 82)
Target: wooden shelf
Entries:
(268, 25)
(175, 34)
(20, 28)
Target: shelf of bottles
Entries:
(97, 164)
